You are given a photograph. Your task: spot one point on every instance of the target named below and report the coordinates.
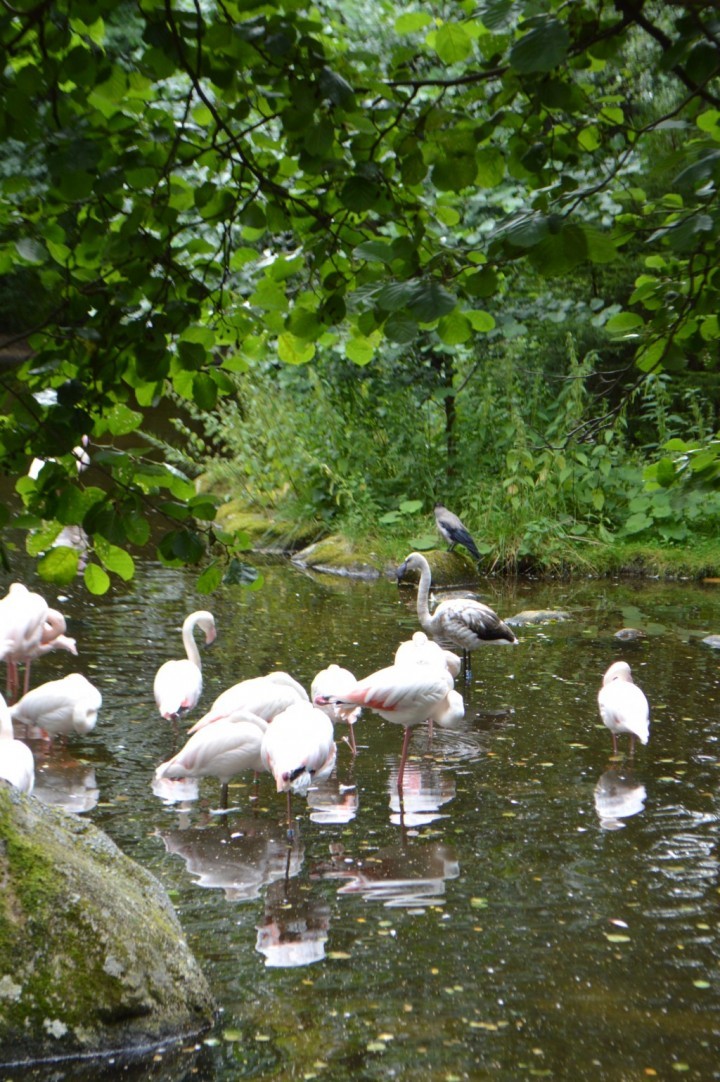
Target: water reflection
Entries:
(64, 782)
(294, 927)
(332, 801)
(618, 796)
(240, 857)
(404, 876)
(426, 787)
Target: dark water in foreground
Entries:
(541, 912)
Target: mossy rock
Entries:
(447, 568)
(266, 534)
(336, 555)
(92, 955)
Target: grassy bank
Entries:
(381, 548)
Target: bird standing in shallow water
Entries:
(452, 530)
(407, 694)
(623, 706)
(334, 680)
(178, 684)
(297, 748)
(60, 707)
(460, 621)
(227, 747)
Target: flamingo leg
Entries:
(351, 741)
(466, 666)
(431, 729)
(615, 748)
(403, 757)
(224, 796)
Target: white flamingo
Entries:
(265, 696)
(60, 707)
(178, 684)
(17, 765)
(22, 621)
(420, 650)
(405, 694)
(221, 750)
(460, 621)
(335, 680)
(297, 748)
(623, 706)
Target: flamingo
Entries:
(221, 750)
(22, 622)
(265, 696)
(460, 621)
(623, 706)
(406, 694)
(334, 680)
(421, 650)
(60, 707)
(452, 530)
(178, 684)
(297, 748)
(17, 765)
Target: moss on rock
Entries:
(338, 556)
(264, 532)
(92, 955)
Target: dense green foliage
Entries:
(420, 202)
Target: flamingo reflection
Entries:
(64, 782)
(294, 928)
(333, 802)
(402, 876)
(240, 861)
(618, 796)
(426, 788)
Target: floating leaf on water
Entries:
(613, 937)
(262, 1037)
(681, 1066)
(701, 984)
(376, 1046)
(338, 955)
(479, 903)
(232, 1035)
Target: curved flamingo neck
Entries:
(423, 594)
(191, 647)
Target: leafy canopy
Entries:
(190, 186)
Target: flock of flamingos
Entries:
(270, 723)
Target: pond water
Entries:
(538, 911)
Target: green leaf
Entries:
(542, 48)
(362, 350)
(59, 565)
(121, 420)
(489, 167)
(294, 350)
(210, 579)
(624, 323)
(115, 559)
(360, 194)
(204, 390)
(452, 43)
(430, 301)
(412, 21)
(96, 579)
(454, 173)
(454, 329)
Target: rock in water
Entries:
(92, 955)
